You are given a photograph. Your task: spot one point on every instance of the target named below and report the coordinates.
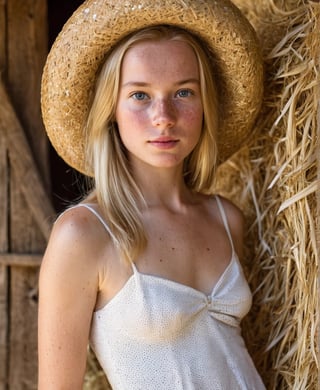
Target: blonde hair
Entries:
(115, 189)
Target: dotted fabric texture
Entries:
(159, 334)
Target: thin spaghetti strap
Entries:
(90, 208)
(224, 219)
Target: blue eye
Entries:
(184, 93)
(139, 96)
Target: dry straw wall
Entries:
(274, 180)
(277, 178)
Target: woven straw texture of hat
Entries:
(97, 25)
(275, 181)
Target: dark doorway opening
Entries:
(66, 183)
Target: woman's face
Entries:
(159, 110)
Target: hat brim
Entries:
(97, 25)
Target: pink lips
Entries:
(164, 142)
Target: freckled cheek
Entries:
(131, 119)
(193, 117)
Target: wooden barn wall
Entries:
(25, 209)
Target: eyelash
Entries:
(143, 95)
(189, 92)
(135, 94)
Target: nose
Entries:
(163, 113)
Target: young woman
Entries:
(147, 266)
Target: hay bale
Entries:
(277, 178)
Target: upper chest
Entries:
(185, 242)
(191, 248)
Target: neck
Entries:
(162, 187)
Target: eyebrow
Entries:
(144, 84)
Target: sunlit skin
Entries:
(159, 111)
(159, 115)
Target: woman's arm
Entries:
(68, 288)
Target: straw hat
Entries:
(97, 25)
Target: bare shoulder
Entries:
(76, 244)
(236, 221)
(234, 214)
(79, 225)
